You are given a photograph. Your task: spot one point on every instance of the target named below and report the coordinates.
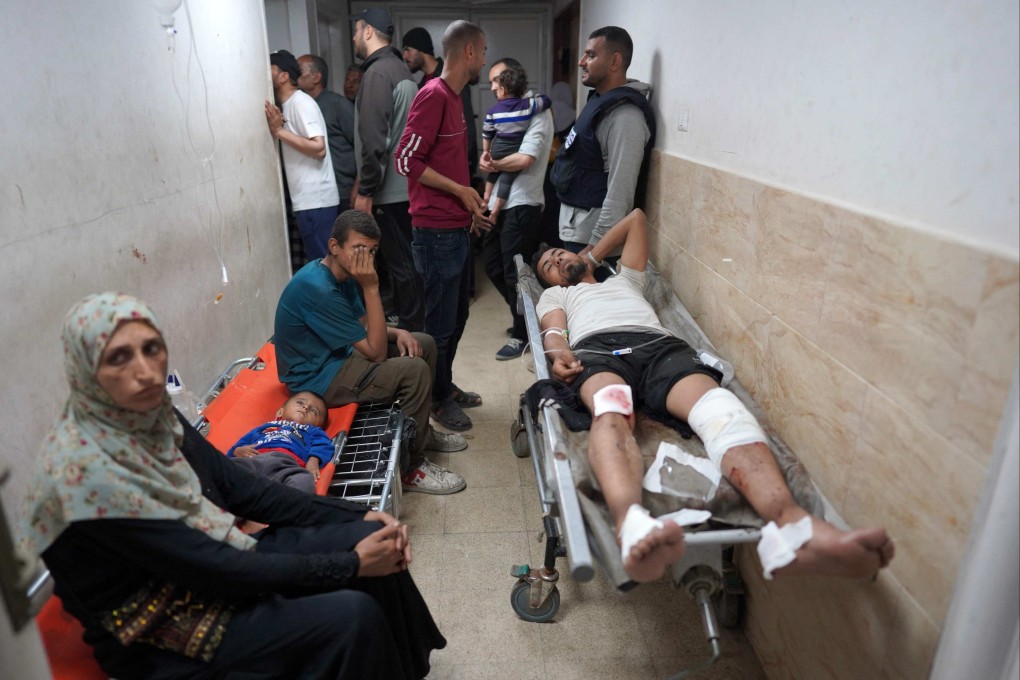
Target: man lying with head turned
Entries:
(585, 324)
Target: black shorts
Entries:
(651, 370)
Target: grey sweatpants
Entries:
(279, 467)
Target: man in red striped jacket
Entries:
(432, 154)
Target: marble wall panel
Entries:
(726, 231)
(916, 484)
(734, 323)
(884, 356)
(653, 190)
(899, 308)
(681, 187)
(825, 628)
(990, 358)
(793, 249)
(816, 404)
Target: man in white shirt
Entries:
(607, 342)
(301, 130)
(517, 227)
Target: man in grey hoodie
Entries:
(387, 90)
(597, 171)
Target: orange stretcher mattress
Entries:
(253, 397)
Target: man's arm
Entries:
(374, 345)
(565, 365)
(375, 109)
(623, 134)
(314, 147)
(632, 233)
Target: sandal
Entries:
(465, 399)
(448, 414)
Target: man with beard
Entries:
(419, 55)
(432, 154)
(599, 166)
(606, 341)
(381, 113)
(298, 123)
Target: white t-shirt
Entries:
(617, 303)
(311, 182)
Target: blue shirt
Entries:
(318, 319)
(301, 440)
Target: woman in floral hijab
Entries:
(133, 513)
(102, 460)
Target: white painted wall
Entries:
(131, 167)
(906, 110)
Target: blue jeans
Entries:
(441, 257)
(315, 226)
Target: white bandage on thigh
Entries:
(778, 547)
(636, 525)
(613, 399)
(723, 422)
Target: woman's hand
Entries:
(403, 540)
(380, 553)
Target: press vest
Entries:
(579, 172)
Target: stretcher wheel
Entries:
(519, 440)
(520, 598)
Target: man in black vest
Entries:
(602, 164)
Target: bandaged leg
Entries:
(648, 545)
(778, 546)
(614, 399)
(723, 422)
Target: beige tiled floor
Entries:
(465, 544)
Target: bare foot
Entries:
(651, 555)
(849, 554)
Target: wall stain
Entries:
(139, 255)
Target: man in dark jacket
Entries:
(384, 99)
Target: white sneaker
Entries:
(430, 478)
(444, 442)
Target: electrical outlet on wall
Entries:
(681, 119)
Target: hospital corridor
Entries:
(492, 339)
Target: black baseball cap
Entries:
(285, 61)
(377, 18)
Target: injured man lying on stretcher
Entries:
(606, 341)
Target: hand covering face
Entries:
(103, 461)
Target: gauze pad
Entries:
(636, 525)
(614, 399)
(778, 547)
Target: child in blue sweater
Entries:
(504, 127)
(291, 448)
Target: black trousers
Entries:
(395, 224)
(516, 232)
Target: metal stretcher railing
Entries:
(366, 439)
(578, 528)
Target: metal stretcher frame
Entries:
(706, 570)
(366, 438)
